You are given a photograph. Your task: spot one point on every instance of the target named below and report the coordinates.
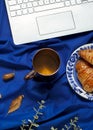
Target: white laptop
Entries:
(34, 20)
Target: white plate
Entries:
(72, 74)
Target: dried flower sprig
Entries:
(32, 123)
(52, 128)
(72, 125)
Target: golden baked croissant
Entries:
(85, 75)
(87, 55)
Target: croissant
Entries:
(85, 75)
(87, 55)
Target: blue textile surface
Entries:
(61, 102)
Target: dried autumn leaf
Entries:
(16, 103)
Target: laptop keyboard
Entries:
(24, 7)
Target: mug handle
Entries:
(30, 75)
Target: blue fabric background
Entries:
(62, 103)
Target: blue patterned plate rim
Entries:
(72, 74)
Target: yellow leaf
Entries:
(16, 103)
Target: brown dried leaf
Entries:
(16, 103)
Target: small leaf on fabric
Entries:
(16, 103)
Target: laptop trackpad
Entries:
(55, 23)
